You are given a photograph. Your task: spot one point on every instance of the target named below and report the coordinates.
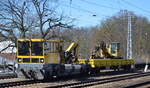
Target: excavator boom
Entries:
(71, 53)
(71, 47)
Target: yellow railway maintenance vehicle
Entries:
(45, 59)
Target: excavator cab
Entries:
(114, 49)
(107, 51)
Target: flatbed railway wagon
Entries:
(115, 64)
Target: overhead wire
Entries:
(76, 7)
(83, 10)
(99, 5)
(124, 1)
(119, 4)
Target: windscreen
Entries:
(113, 48)
(23, 48)
(37, 48)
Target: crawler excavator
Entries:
(104, 51)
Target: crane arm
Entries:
(71, 53)
(71, 47)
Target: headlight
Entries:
(19, 59)
(42, 60)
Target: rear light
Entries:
(42, 60)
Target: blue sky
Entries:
(83, 10)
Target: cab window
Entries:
(113, 48)
(37, 48)
(23, 48)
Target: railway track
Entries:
(8, 75)
(83, 83)
(18, 83)
(100, 81)
(145, 84)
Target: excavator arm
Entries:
(71, 53)
(71, 47)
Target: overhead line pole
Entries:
(129, 39)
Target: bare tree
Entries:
(13, 20)
(48, 20)
(20, 18)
